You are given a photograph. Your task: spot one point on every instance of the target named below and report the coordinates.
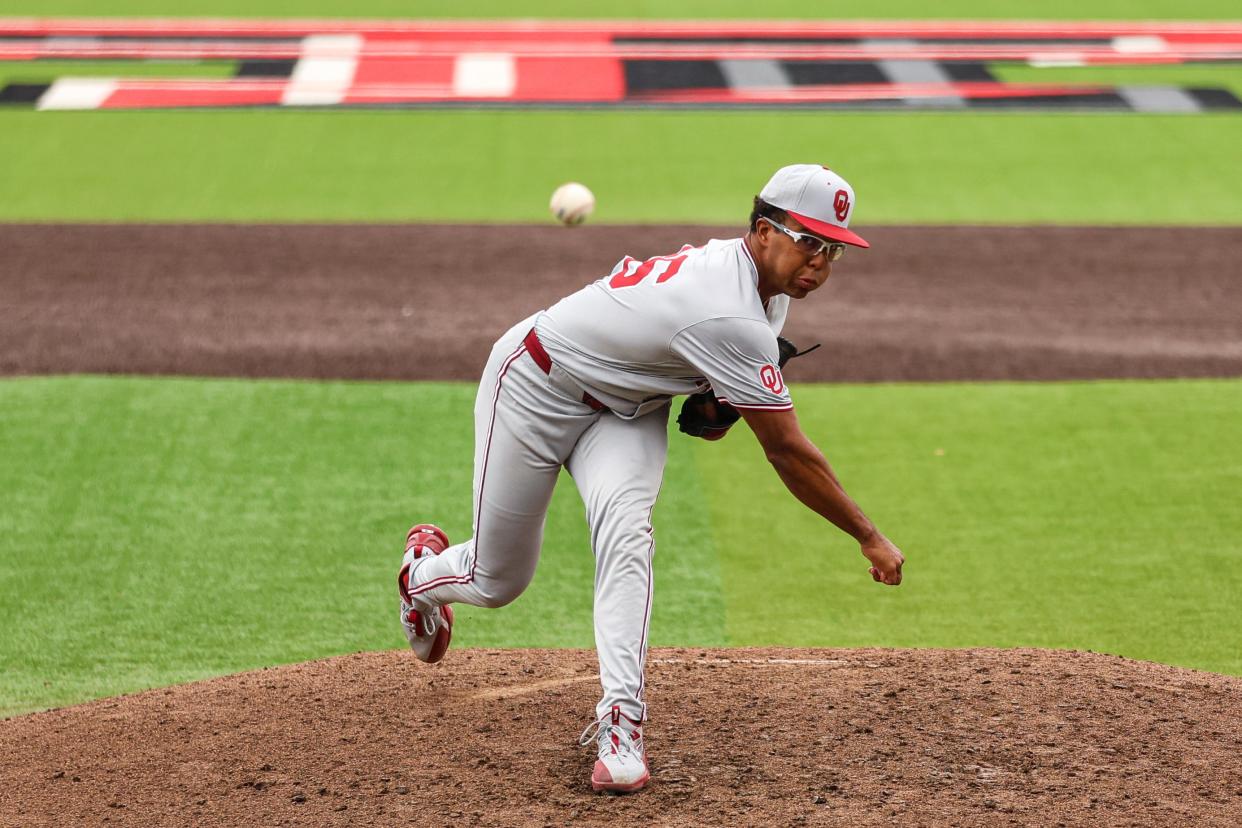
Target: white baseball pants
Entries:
(528, 424)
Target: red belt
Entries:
(535, 348)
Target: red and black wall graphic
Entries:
(833, 65)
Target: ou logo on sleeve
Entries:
(771, 378)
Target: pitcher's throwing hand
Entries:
(886, 559)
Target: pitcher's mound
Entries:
(736, 737)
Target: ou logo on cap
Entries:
(841, 204)
(771, 378)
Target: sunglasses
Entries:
(808, 244)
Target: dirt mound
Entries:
(426, 302)
(737, 737)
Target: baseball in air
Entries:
(572, 203)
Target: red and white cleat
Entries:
(428, 631)
(622, 763)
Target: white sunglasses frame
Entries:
(835, 250)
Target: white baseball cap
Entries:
(818, 198)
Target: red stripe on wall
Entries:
(587, 79)
(152, 94)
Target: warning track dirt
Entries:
(417, 302)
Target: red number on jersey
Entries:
(625, 277)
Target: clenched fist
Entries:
(886, 559)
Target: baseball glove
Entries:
(702, 415)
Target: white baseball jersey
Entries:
(672, 325)
(647, 331)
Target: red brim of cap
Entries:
(830, 231)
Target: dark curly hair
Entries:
(762, 208)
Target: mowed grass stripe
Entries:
(501, 166)
(1092, 516)
(46, 71)
(1188, 76)
(162, 530)
(168, 530)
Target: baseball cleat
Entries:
(622, 763)
(428, 631)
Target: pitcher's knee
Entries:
(495, 594)
(626, 535)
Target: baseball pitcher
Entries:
(587, 385)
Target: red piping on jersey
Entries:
(447, 580)
(761, 406)
(535, 348)
(642, 647)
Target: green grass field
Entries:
(1212, 76)
(161, 530)
(45, 71)
(267, 165)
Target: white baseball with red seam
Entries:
(572, 203)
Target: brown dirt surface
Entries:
(739, 737)
(426, 302)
